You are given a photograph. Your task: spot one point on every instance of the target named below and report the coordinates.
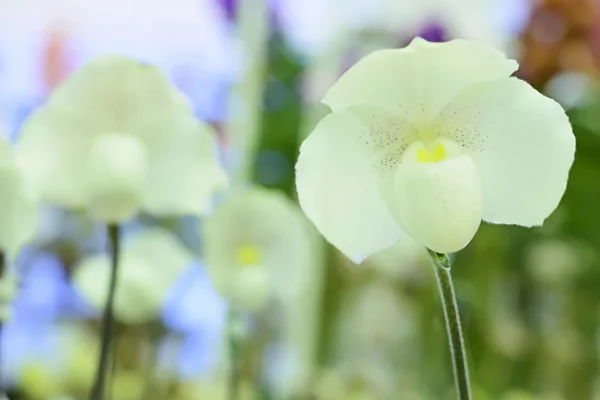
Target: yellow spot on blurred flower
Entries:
(248, 255)
(438, 154)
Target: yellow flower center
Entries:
(437, 154)
(248, 255)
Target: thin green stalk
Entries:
(244, 120)
(442, 268)
(98, 389)
(235, 340)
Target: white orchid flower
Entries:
(256, 242)
(19, 217)
(18, 207)
(429, 140)
(117, 138)
(151, 263)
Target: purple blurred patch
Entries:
(229, 7)
(434, 32)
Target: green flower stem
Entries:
(442, 268)
(235, 342)
(107, 317)
(245, 124)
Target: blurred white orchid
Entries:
(18, 208)
(19, 217)
(376, 335)
(402, 261)
(377, 318)
(429, 140)
(116, 138)
(256, 243)
(150, 264)
(572, 89)
(554, 262)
